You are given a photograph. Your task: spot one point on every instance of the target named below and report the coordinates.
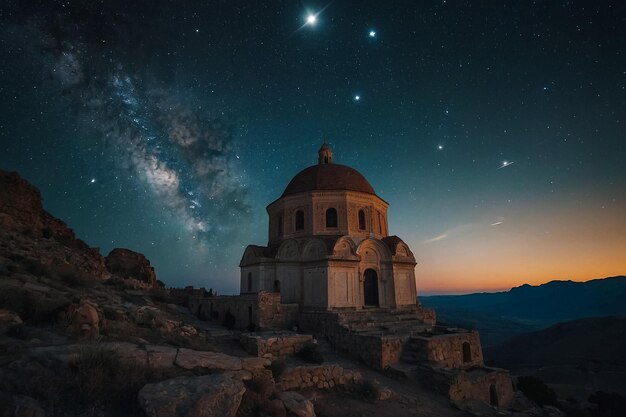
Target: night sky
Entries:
(495, 129)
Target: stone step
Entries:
(414, 324)
(381, 319)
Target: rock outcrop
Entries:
(128, 264)
(41, 243)
(213, 395)
(296, 404)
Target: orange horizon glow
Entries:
(576, 243)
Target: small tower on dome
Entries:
(325, 154)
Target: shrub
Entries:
(309, 352)
(536, 390)
(370, 389)
(100, 377)
(277, 367)
(229, 320)
(34, 266)
(75, 279)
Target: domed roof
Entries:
(328, 177)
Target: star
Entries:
(440, 147)
(372, 34)
(311, 19)
(92, 180)
(357, 97)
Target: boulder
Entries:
(213, 395)
(129, 264)
(8, 317)
(296, 404)
(212, 361)
(161, 357)
(84, 319)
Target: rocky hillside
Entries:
(577, 358)
(501, 315)
(85, 335)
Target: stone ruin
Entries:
(403, 343)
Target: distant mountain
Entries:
(501, 315)
(576, 358)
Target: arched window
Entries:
(361, 220)
(299, 220)
(331, 217)
(249, 281)
(279, 227)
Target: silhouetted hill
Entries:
(577, 357)
(499, 316)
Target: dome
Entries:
(328, 177)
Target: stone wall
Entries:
(273, 345)
(451, 349)
(319, 376)
(262, 309)
(273, 314)
(489, 385)
(181, 296)
(376, 351)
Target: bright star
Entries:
(311, 19)
(372, 34)
(92, 180)
(357, 97)
(440, 147)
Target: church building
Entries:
(329, 245)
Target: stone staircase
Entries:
(379, 321)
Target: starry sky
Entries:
(495, 129)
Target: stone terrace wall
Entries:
(377, 351)
(263, 309)
(447, 349)
(273, 345)
(319, 376)
(463, 385)
(467, 386)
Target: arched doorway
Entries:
(370, 288)
(493, 395)
(467, 352)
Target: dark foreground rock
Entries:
(201, 396)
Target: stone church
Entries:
(331, 269)
(329, 245)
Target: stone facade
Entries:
(274, 345)
(318, 376)
(329, 245)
